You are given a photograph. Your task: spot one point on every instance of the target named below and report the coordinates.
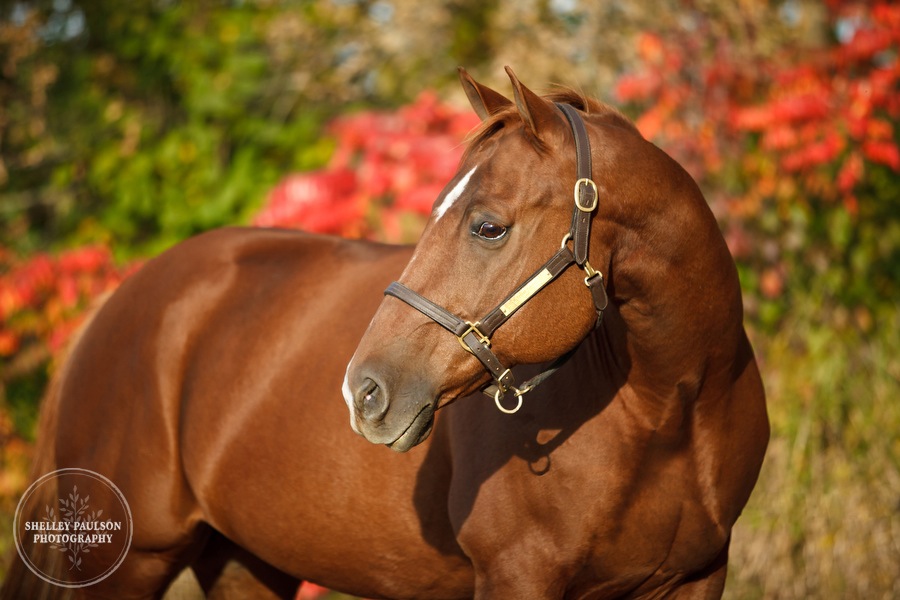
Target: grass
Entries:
(824, 520)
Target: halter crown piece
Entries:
(476, 337)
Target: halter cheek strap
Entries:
(586, 195)
(476, 337)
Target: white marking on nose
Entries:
(348, 397)
(453, 195)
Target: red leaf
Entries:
(885, 153)
(850, 174)
(631, 88)
(650, 47)
(752, 118)
(9, 343)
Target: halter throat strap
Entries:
(476, 337)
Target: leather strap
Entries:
(436, 313)
(598, 294)
(522, 294)
(471, 335)
(585, 193)
(491, 390)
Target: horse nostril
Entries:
(371, 401)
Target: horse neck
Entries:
(676, 321)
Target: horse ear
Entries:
(483, 99)
(538, 114)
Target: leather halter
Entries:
(476, 337)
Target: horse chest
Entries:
(597, 505)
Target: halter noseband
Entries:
(476, 337)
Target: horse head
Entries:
(507, 210)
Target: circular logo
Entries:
(73, 527)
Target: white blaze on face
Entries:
(453, 195)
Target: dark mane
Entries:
(595, 108)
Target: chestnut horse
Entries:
(207, 388)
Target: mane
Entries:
(592, 107)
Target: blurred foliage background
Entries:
(126, 127)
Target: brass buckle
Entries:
(473, 328)
(578, 184)
(590, 272)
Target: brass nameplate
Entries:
(531, 287)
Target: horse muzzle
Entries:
(383, 415)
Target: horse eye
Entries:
(490, 231)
